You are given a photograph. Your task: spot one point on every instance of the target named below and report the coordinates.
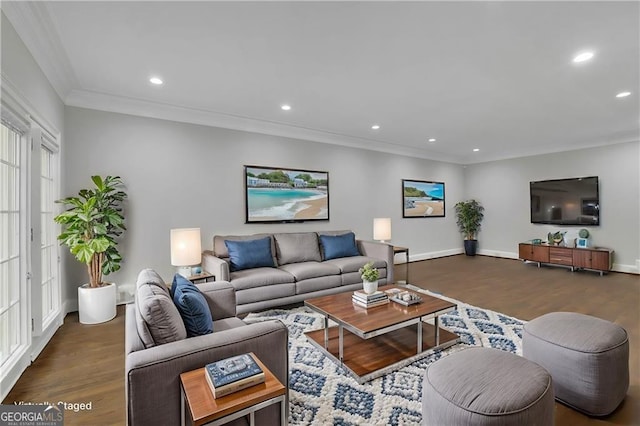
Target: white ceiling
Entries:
(497, 76)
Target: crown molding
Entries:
(144, 108)
(33, 23)
(548, 150)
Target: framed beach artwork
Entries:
(277, 195)
(422, 198)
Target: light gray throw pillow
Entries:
(297, 247)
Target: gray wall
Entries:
(182, 175)
(503, 188)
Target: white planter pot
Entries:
(96, 305)
(370, 287)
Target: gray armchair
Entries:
(156, 354)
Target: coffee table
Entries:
(371, 342)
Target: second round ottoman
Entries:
(483, 386)
(587, 357)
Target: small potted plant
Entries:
(370, 276)
(91, 225)
(469, 215)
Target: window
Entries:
(48, 243)
(12, 281)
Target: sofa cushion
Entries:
(305, 270)
(335, 246)
(318, 284)
(249, 254)
(354, 263)
(260, 294)
(259, 277)
(192, 306)
(158, 320)
(297, 247)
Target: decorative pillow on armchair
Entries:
(192, 307)
(335, 246)
(249, 254)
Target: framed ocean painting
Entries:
(422, 198)
(285, 195)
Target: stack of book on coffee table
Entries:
(365, 300)
(233, 374)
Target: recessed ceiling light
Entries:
(155, 80)
(581, 57)
(476, 149)
(623, 94)
(285, 107)
(432, 140)
(375, 127)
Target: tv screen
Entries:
(566, 201)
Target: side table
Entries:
(198, 406)
(405, 250)
(203, 277)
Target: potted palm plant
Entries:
(469, 215)
(90, 228)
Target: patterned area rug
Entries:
(322, 393)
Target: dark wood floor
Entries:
(85, 363)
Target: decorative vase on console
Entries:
(555, 238)
(370, 276)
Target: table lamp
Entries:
(382, 229)
(186, 249)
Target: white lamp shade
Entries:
(186, 248)
(382, 228)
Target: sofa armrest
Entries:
(378, 250)
(152, 376)
(215, 265)
(221, 298)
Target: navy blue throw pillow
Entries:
(334, 246)
(192, 306)
(247, 254)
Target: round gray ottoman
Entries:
(587, 357)
(483, 386)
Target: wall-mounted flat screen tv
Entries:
(572, 201)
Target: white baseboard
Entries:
(629, 269)
(497, 253)
(435, 254)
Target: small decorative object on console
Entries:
(555, 238)
(233, 374)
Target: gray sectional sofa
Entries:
(292, 267)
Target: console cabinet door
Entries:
(600, 260)
(533, 252)
(582, 258)
(592, 259)
(540, 253)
